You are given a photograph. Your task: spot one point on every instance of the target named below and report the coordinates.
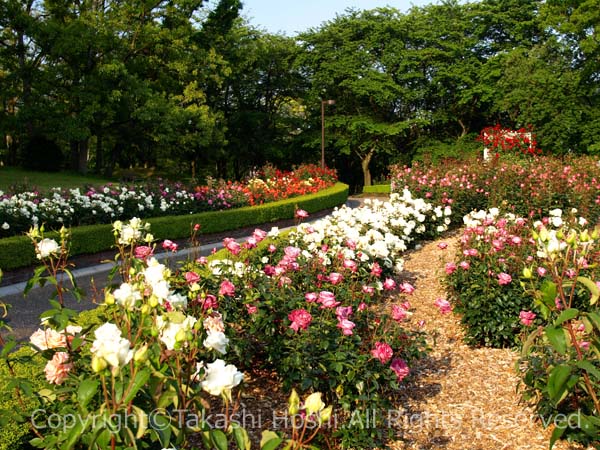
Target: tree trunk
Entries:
(365, 167)
(82, 163)
(99, 154)
(464, 129)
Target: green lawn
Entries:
(24, 180)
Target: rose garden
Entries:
(322, 310)
(193, 254)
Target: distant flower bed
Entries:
(525, 187)
(108, 203)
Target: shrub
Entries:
(483, 281)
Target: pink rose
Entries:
(202, 260)
(368, 290)
(527, 317)
(398, 313)
(208, 301)
(541, 271)
(450, 268)
(272, 248)
(376, 269)
(346, 326)
(335, 278)
(389, 284)
(227, 288)
(143, 252)
(301, 214)
(310, 297)
(407, 288)
(443, 245)
(58, 368)
(343, 312)
(351, 244)
(382, 351)
(351, 265)
(464, 265)
(231, 245)
(251, 242)
(283, 281)
(327, 300)
(400, 368)
(259, 234)
(169, 245)
(504, 279)
(251, 309)
(191, 277)
(292, 252)
(300, 319)
(443, 305)
(362, 306)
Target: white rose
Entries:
(110, 346)
(47, 247)
(177, 301)
(220, 378)
(5, 226)
(126, 296)
(216, 340)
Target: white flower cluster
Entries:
(69, 207)
(377, 230)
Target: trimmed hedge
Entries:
(377, 189)
(17, 251)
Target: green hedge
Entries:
(17, 251)
(377, 189)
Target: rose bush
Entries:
(560, 358)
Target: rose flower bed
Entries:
(525, 187)
(73, 207)
(307, 304)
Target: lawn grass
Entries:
(14, 178)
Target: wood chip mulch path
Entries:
(459, 397)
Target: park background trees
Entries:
(192, 90)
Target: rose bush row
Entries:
(307, 304)
(76, 207)
(527, 187)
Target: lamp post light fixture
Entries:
(323, 103)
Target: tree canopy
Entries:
(196, 91)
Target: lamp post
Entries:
(323, 103)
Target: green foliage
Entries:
(27, 368)
(17, 251)
(560, 359)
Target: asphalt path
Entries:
(24, 313)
